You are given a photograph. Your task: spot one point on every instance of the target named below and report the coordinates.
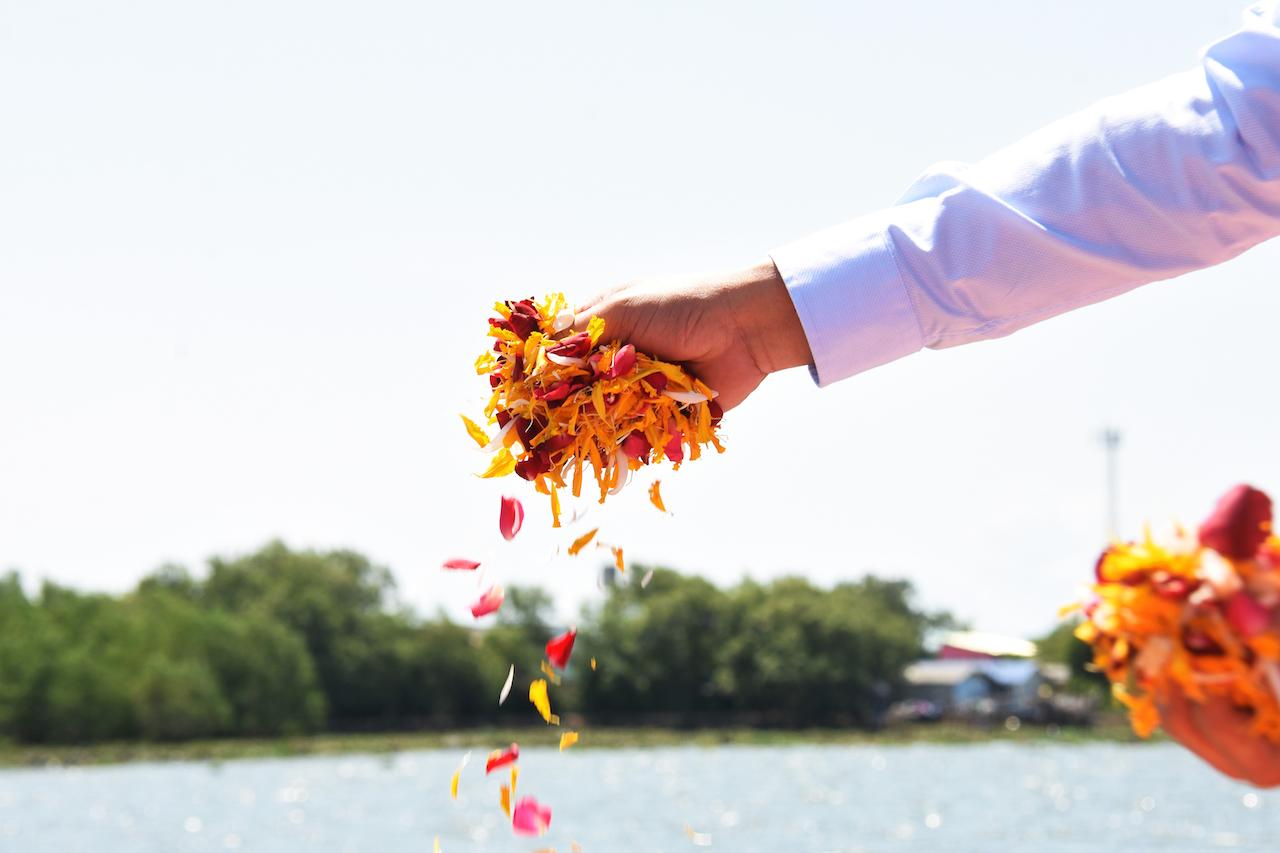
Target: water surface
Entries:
(998, 796)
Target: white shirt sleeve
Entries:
(1168, 178)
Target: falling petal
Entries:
(567, 740)
(502, 465)
(582, 541)
(530, 818)
(457, 774)
(510, 518)
(490, 601)
(560, 648)
(461, 564)
(550, 673)
(593, 664)
(617, 559)
(506, 687)
(655, 496)
(700, 839)
(477, 433)
(501, 758)
(644, 581)
(504, 799)
(436, 846)
(538, 696)
(575, 847)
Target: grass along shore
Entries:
(1109, 729)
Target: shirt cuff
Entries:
(849, 294)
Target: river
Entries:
(997, 796)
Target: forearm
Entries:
(1165, 179)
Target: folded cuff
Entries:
(849, 294)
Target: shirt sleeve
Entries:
(1168, 178)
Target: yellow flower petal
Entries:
(595, 328)
(582, 541)
(617, 559)
(477, 433)
(538, 696)
(567, 740)
(502, 465)
(549, 672)
(504, 800)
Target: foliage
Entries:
(284, 641)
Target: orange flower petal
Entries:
(655, 496)
(582, 541)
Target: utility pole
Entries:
(1110, 438)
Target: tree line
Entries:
(286, 641)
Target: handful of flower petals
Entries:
(1198, 616)
(564, 401)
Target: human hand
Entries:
(729, 330)
(1218, 732)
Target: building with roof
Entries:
(985, 687)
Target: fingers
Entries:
(1230, 730)
(1179, 717)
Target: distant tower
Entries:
(1111, 447)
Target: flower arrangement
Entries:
(1196, 615)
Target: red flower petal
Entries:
(556, 443)
(501, 758)
(623, 362)
(717, 411)
(462, 564)
(674, 447)
(524, 318)
(556, 392)
(574, 346)
(537, 463)
(510, 518)
(657, 381)
(636, 446)
(1239, 524)
(489, 602)
(530, 817)
(1247, 616)
(560, 648)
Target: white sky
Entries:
(247, 252)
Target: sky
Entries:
(247, 251)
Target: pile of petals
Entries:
(565, 401)
(1196, 615)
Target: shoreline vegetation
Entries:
(286, 652)
(1110, 728)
